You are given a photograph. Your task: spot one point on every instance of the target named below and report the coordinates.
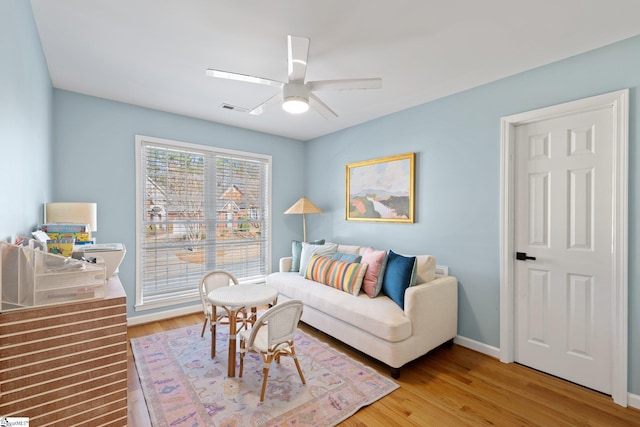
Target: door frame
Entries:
(618, 101)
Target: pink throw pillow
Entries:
(375, 259)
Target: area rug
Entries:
(183, 386)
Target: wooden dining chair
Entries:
(272, 336)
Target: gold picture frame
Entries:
(381, 190)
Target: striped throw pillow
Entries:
(345, 276)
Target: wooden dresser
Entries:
(66, 364)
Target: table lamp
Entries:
(72, 213)
(303, 206)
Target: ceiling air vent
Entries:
(233, 108)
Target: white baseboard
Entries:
(634, 401)
(477, 346)
(161, 315)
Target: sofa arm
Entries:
(285, 264)
(433, 308)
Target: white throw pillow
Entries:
(308, 251)
(425, 269)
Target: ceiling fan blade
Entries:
(297, 54)
(321, 107)
(260, 108)
(346, 84)
(242, 77)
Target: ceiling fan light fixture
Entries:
(295, 98)
(295, 105)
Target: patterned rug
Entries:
(184, 386)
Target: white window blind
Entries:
(200, 209)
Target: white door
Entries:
(563, 219)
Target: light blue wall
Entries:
(457, 141)
(94, 161)
(25, 122)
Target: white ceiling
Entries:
(154, 53)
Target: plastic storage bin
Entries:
(33, 277)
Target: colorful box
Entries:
(79, 232)
(62, 247)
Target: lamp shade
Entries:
(303, 206)
(72, 213)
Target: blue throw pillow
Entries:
(341, 256)
(397, 276)
(296, 250)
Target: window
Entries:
(199, 208)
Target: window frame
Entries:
(140, 143)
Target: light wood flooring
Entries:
(450, 386)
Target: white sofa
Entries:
(378, 326)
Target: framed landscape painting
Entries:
(381, 189)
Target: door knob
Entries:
(522, 256)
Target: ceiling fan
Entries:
(296, 94)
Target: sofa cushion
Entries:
(372, 282)
(348, 249)
(341, 256)
(345, 276)
(425, 269)
(296, 250)
(380, 317)
(342, 275)
(309, 250)
(398, 275)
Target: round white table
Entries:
(234, 299)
